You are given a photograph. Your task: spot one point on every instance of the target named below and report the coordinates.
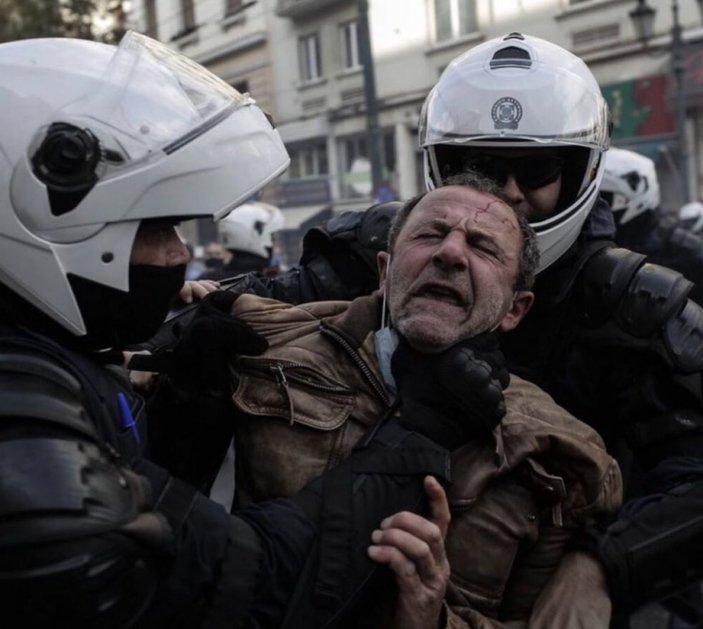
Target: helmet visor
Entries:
(513, 100)
(154, 99)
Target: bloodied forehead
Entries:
(470, 208)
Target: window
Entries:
(309, 52)
(187, 16)
(355, 175)
(350, 45)
(233, 6)
(454, 18)
(151, 21)
(309, 160)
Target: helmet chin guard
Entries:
(493, 96)
(96, 138)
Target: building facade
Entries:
(302, 60)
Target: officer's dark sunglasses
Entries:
(530, 172)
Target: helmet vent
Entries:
(511, 57)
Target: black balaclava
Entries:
(213, 263)
(115, 318)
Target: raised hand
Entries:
(413, 548)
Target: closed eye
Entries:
(425, 235)
(483, 243)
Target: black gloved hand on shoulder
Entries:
(201, 357)
(190, 409)
(454, 396)
(199, 360)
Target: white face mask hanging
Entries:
(385, 341)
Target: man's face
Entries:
(530, 178)
(453, 268)
(158, 244)
(215, 250)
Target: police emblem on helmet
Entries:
(506, 113)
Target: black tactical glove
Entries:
(652, 549)
(454, 396)
(190, 410)
(199, 360)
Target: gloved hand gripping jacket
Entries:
(190, 410)
(453, 396)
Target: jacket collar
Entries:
(359, 320)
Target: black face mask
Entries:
(116, 319)
(213, 263)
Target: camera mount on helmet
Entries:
(66, 162)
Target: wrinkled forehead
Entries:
(458, 204)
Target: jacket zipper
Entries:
(283, 382)
(360, 363)
(279, 373)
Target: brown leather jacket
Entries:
(515, 503)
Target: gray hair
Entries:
(529, 252)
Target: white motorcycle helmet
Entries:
(630, 184)
(95, 139)
(250, 228)
(520, 91)
(691, 216)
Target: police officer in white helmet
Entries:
(247, 235)
(103, 150)
(612, 338)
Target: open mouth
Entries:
(443, 293)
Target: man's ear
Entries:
(522, 302)
(383, 261)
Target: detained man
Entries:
(525, 474)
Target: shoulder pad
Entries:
(371, 225)
(605, 279)
(376, 223)
(654, 295)
(365, 233)
(640, 297)
(34, 387)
